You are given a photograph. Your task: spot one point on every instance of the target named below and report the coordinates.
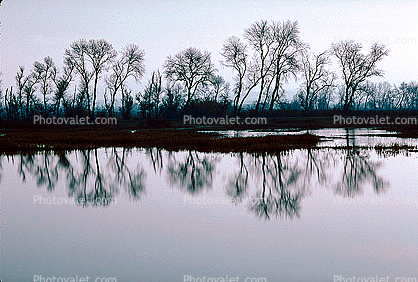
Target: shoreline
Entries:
(171, 135)
(173, 140)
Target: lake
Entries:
(113, 214)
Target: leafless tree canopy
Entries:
(267, 56)
(149, 102)
(90, 59)
(357, 67)
(285, 56)
(235, 54)
(316, 77)
(274, 61)
(191, 67)
(261, 37)
(131, 64)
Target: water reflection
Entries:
(89, 181)
(357, 170)
(131, 179)
(280, 192)
(192, 172)
(270, 185)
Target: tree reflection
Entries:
(282, 180)
(133, 180)
(236, 186)
(273, 185)
(90, 175)
(318, 165)
(357, 171)
(41, 167)
(279, 194)
(192, 173)
(156, 157)
(88, 181)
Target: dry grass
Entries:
(18, 141)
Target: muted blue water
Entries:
(152, 215)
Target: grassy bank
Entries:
(168, 134)
(36, 140)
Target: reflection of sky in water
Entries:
(337, 136)
(153, 235)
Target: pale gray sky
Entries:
(32, 29)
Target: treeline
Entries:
(267, 57)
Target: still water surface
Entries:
(154, 215)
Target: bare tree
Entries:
(385, 96)
(101, 54)
(285, 61)
(192, 67)
(260, 36)
(62, 84)
(367, 97)
(21, 104)
(21, 81)
(357, 67)
(172, 100)
(220, 88)
(406, 95)
(75, 103)
(315, 78)
(150, 100)
(235, 54)
(131, 64)
(157, 91)
(145, 101)
(44, 73)
(325, 98)
(127, 103)
(76, 57)
(10, 104)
